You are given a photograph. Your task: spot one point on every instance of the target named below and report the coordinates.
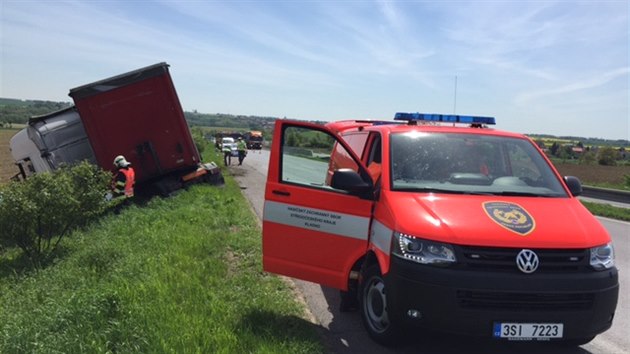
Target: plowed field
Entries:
(7, 167)
(589, 174)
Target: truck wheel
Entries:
(380, 325)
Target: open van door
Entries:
(314, 227)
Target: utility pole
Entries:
(455, 97)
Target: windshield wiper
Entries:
(527, 194)
(428, 190)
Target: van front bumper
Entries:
(470, 302)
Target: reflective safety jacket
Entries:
(124, 182)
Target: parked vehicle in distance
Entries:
(229, 141)
(254, 139)
(438, 222)
(218, 137)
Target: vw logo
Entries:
(527, 261)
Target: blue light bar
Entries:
(446, 118)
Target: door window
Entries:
(309, 157)
(356, 141)
(374, 159)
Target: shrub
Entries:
(607, 156)
(198, 138)
(37, 213)
(588, 158)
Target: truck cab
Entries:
(438, 222)
(50, 141)
(254, 140)
(26, 155)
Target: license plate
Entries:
(527, 331)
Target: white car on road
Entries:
(230, 142)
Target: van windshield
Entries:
(470, 164)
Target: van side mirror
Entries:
(349, 180)
(574, 184)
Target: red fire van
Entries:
(441, 222)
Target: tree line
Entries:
(229, 121)
(14, 111)
(589, 155)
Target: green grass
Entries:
(178, 275)
(620, 186)
(608, 211)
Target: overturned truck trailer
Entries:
(136, 114)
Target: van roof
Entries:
(396, 127)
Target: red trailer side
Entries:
(138, 115)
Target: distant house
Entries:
(577, 150)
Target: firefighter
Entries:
(125, 179)
(241, 146)
(227, 153)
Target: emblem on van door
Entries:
(527, 261)
(510, 216)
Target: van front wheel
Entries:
(381, 326)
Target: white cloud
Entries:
(600, 79)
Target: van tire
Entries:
(381, 326)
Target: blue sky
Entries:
(550, 67)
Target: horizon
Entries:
(557, 66)
(269, 117)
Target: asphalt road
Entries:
(343, 332)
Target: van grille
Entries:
(523, 301)
(504, 259)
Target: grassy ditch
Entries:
(177, 275)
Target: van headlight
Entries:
(422, 251)
(603, 257)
